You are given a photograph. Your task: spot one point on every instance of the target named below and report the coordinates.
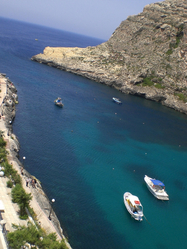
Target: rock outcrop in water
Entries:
(146, 56)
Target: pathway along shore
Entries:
(40, 202)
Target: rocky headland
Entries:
(145, 56)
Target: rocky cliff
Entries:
(146, 56)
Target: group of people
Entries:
(31, 181)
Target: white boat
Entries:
(133, 206)
(116, 100)
(157, 188)
(58, 102)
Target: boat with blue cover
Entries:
(157, 188)
(116, 100)
(58, 102)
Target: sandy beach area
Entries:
(40, 203)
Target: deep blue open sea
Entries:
(92, 151)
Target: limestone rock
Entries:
(146, 55)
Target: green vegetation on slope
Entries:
(31, 234)
(179, 36)
(36, 238)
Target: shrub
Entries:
(22, 198)
(9, 184)
(159, 86)
(147, 81)
(15, 177)
(2, 142)
(8, 169)
(181, 96)
(37, 238)
(170, 51)
(10, 172)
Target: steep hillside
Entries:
(146, 55)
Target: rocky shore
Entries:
(40, 202)
(145, 56)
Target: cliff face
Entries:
(146, 55)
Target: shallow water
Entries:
(92, 151)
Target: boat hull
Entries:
(136, 216)
(159, 194)
(116, 100)
(59, 105)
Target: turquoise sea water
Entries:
(92, 151)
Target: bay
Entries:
(92, 151)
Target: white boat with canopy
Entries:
(157, 188)
(133, 206)
(58, 102)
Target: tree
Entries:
(33, 236)
(22, 198)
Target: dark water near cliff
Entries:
(92, 151)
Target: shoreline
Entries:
(73, 63)
(40, 203)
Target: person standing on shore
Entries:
(33, 183)
(27, 182)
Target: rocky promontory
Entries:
(145, 56)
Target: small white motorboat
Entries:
(58, 102)
(116, 100)
(133, 206)
(157, 188)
